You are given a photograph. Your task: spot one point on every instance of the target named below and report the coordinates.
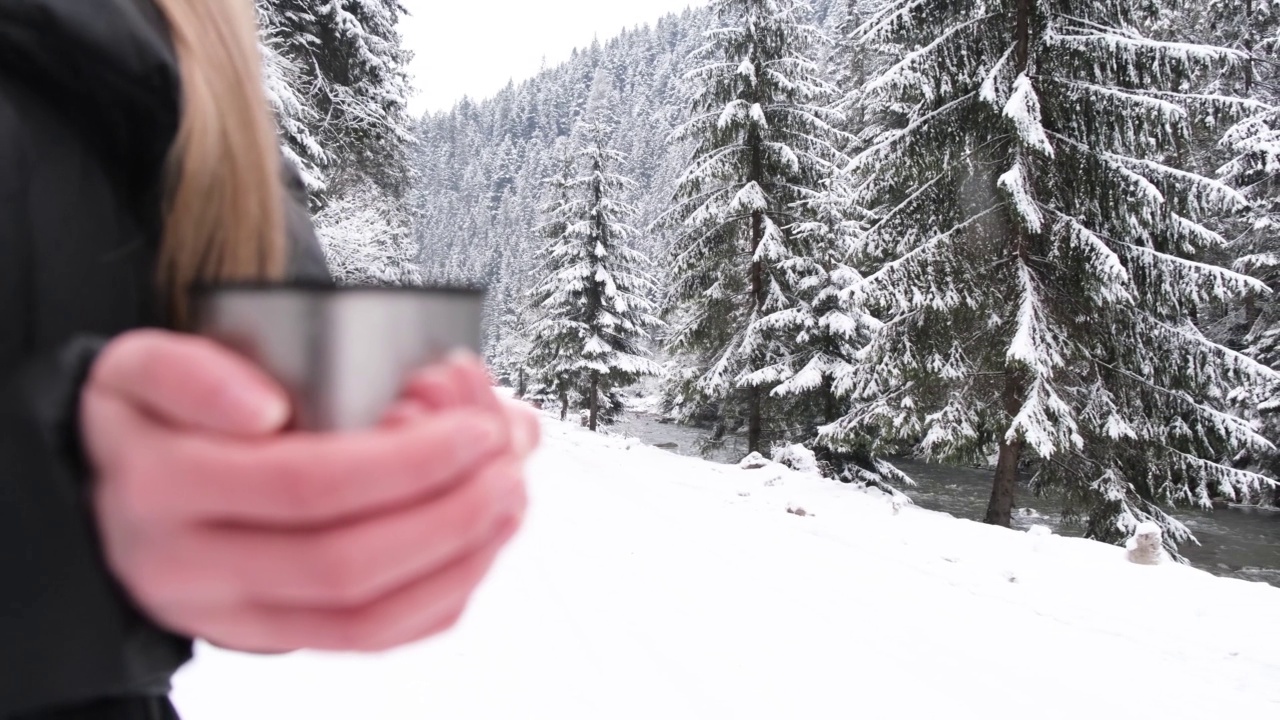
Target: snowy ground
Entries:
(649, 585)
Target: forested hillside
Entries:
(1033, 233)
(482, 167)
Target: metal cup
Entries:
(343, 354)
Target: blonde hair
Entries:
(224, 193)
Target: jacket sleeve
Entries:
(68, 632)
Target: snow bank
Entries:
(649, 585)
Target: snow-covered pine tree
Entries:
(830, 328)
(853, 62)
(1037, 261)
(344, 60)
(594, 301)
(335, 74)
(1241, 156)
(762, 145)
(828, 331)
(508, 344)
(848, 63)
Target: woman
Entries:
(148, 494)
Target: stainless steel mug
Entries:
(343, 354)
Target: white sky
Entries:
(473, 47)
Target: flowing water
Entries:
(1234, 542)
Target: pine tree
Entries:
(762, 144)
(596, 313)
(1037, 260)
(337, 72)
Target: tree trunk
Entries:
(521, 385)
(755, 428)
(1022, 36)
(1248, 48)
(755, 424)
(595, 402)
(1000, 509)
(564, 405)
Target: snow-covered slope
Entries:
(649, 585)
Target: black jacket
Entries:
(89, 98)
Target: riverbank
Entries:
(650, 585)
(1242, 543)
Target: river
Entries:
(1234, 542)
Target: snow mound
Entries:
(754, 461)
(797, 457)
(1146, 545)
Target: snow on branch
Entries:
(1213, 283)
(1187, 53)
(864, 159)
(1218, 194)
(1252, 370)
(893, 12)
(1169, 112)
(1024, 205)
(1116, 284)
(989, 91)
(1045, 422)
(1023, 109)
(907, 67)
(1033, 345)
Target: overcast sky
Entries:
(473, 47)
